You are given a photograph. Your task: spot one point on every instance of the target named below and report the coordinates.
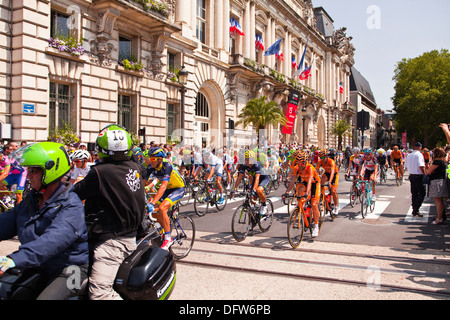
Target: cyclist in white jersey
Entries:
(211, 161)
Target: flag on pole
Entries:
(300, 65)
(273, 49)
(235, 27)
(259, 42)
(341, 88)
(279, 55)
(294, 63)
(306, 73)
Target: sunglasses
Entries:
(34, 170)
(76, 161)
(153, 158)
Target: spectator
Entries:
(438, 184)
(415, 164)
(446, 129)
(23, 143)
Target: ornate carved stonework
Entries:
(101, 48)
(233, 80)
(341, 42)
(154, 63)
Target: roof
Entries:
(360, 84)
(324, 22)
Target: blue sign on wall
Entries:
(29, 108)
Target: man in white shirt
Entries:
(415, 164)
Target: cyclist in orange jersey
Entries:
(309, 184)
(397, 158)
(426, 157)
(331, 174)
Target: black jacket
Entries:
(115, 199)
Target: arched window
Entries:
(201, 106)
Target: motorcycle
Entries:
(149, 273)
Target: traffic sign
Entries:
(29, 108)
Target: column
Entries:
(268, 39)
(251, 36)
(247, 31)
(219, 24)
(285, 50)
(181, 14)
(226, 23)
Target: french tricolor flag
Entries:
(259, 42)
(341, 88)
(279, 55)
(294, 63)
(235, 27)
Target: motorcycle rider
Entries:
(49, 222)
(115, 207)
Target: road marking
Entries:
(425, 210)
(380, 206)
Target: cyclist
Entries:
(227, 162)
(211, 161)
(308, 183)
(49, 222)
(370, 167)
(115, 208)
(187, 163)
(259, 175)
(382, 160)
(397, 159)
(330, 175)
(426, 157)
(171, 190)
(355, 162)
(81, 168)
(16, 175)
(332, 154)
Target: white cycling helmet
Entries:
(80, 155)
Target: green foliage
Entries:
(341, 128)
(154, 5)
(132, 64)
(278, 76)
(260, 114)
(64, 135)
(422, 96)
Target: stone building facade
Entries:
(122, 61)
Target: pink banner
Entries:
(404, 140)
(290, 115)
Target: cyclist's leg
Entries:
(169, 200)
(315, 197)
(333, 189)
(260, 189)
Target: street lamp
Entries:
(182, 79)
(304, 127)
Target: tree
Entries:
(260, 114)
(422, 96)
(341, 128)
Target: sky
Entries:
(384, 32)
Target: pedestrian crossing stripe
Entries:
(424, 210)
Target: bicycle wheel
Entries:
(353, 196)
(266, 221)
(364, 205)
(187, 196)
(295, 228)
(183, 235)
(240, 225)
(321, 215)
(221, 206)
(201, 202)
(370, 201)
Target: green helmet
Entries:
(51, 157)
(114, 142)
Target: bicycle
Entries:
(191, 187)
(248, 215)
(206, 195)
(355, 192)
(182, 231)
(325, 201)
(383, 174)
(366, 198)
(398, 177)
(300, 219)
